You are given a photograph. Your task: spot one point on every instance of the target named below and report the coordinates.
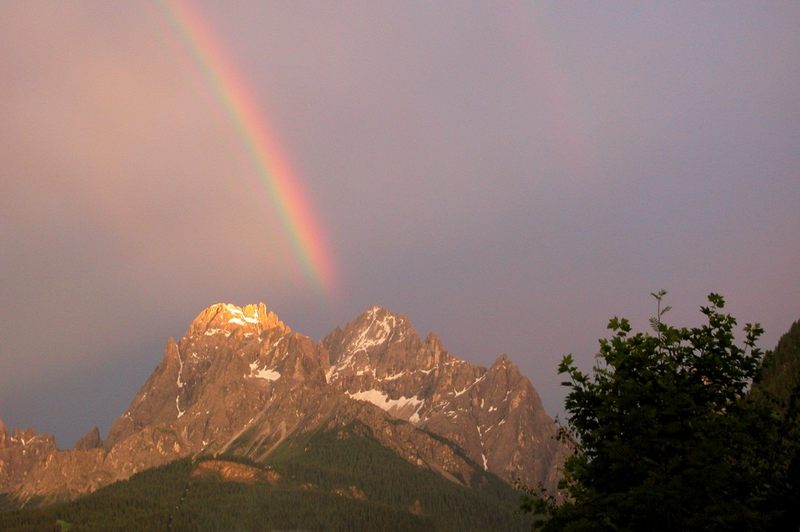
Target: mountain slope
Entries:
(326, 480)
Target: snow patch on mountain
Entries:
(179, 383)
(467, 388)
(263, 373)
(240, 317)
(381, 400)
(212, 332)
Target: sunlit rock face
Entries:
(21, 452)
(240, 381)
(493, 414)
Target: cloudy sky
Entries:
(509, 175)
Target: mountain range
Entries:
(241, 385)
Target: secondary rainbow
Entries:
(273, 169)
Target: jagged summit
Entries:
(502, 360)
(504, 364)
(226, 318)
(230, 363)
(377, 342)
(377, 326)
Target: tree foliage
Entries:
(667, 435)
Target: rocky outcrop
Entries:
(90, 440)
(241, 382)
(228, 471)
(21, 453)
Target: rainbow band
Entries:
(282, 186)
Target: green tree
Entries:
(666, 436)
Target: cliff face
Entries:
(493, 414)
(20, 453)
(240, 381)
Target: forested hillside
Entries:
(329, 480)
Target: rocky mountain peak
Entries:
(378, 325)
(502, 360)
(2, 428)
(378, 342)
(226, 318)
(504, 372)
(493, 414)
(229, 366)
(504, 364)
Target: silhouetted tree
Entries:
(667, 436)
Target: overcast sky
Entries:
(509, 175)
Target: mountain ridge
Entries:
(242, 381)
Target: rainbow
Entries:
(274, 172)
